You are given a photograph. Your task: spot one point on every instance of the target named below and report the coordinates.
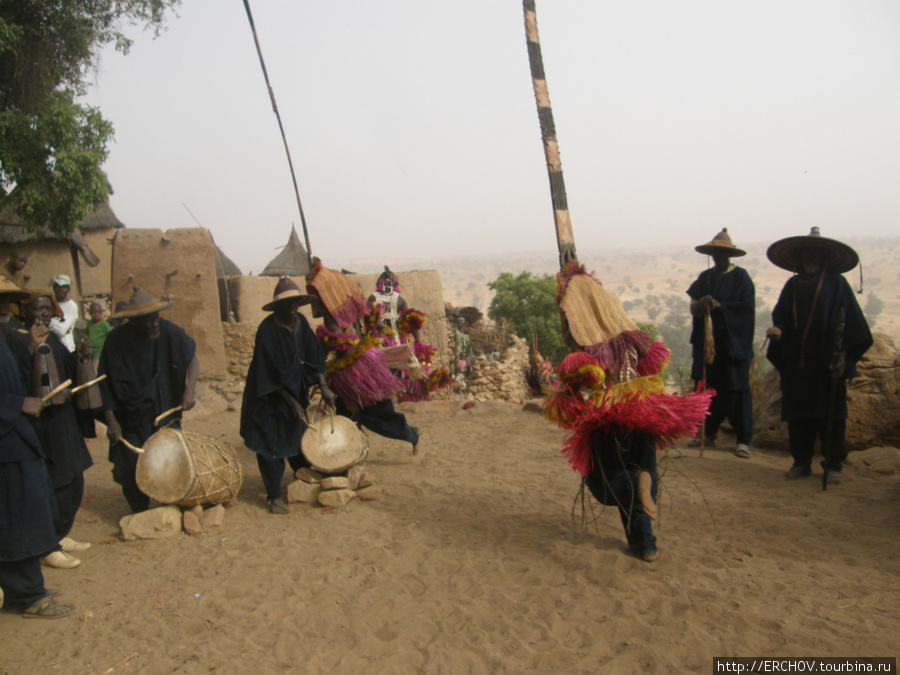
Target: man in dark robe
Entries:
(26, 500)
(287, 361)
(44, 363)
(726, 294)
(818, 335)
(151, 367)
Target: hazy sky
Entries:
(413, 128)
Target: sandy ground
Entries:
(469, 563)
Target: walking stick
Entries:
(709, 355)
(836, 357)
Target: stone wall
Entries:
(503, 379)
(179, 264)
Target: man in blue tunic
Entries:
(818, 335)
(151, 367)
(26, 501)
(287, 361)
(724, 296)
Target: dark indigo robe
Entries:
(733, 324)
(618, 461)
(57, 426)
(144, 378)
(806, 390)
(282, 359)
(27, 507)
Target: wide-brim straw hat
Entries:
(35, 293)
(12, 293)
(721, 243)
(785, 253)
(142, 303)
(286, 289)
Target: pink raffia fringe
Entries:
(365, 381)
(665, 416)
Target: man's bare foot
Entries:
(645, 494)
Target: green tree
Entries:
(874, 307)
(675, 331)
(528, 304)
(52, 147)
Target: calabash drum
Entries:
(187, 469)
(333, 444)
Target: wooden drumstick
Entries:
(128, 445)
(64, 385)
(85, 385)
(166, 414)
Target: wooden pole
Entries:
(564, 238)
(287, 150)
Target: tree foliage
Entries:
(874, 307)
(52, 147)
(528, 304)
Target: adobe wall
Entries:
(96, 280)
(179, 264)
(247, 296)
(421, 289)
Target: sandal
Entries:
(277, 506)
(742, 450)
(48, 608)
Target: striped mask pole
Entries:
(564, 238)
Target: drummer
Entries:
(151, 367)
(287, 361)
(45, 363)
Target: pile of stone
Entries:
(167, 521)
(315, 487)
(239, 341)
(502, 379)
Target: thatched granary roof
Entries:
(12, 231)
(224, 265)
(292, 261)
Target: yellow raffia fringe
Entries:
(597, 371)
(341, 361)
(642, 387)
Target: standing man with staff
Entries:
(723, 306)
(151, 367)
(816, 312)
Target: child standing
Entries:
(87, 401)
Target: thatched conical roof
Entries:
(292, 261)
(224, 266)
